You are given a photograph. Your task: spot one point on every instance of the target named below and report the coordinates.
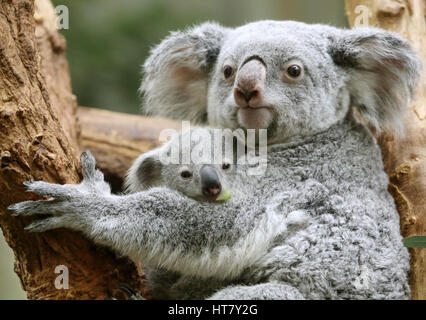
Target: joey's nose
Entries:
(210, 183)
(249, 85)
(212, 192)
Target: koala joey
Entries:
(324, 170)
(202, 181)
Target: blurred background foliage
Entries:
(108, 40)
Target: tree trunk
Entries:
(405, 159)
(39, 137)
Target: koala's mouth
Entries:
(255, 118)
(210, 199)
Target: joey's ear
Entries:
(176, 73)
(144, 173)
(383, 73)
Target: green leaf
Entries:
(415, 242)
(224, 195)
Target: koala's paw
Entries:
(68, 204)
(88, 164)
(93, 179)
(61, 209)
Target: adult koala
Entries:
(298, 81)
(291, 78)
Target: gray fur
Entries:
(148, 170)
(334, 178)
(369, 68)
(319, 224)
(190, 56)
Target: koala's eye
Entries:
(293, 71)
(226, 166)
(186, 174)
(228, 71)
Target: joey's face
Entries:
(203, 176)
(202, 182)
(276, 76)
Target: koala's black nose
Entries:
(210, 182)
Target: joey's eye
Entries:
(186, 174)
(294, 71)
(226, 166)
(228, 71)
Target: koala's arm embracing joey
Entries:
(158, 226)
(139, 225)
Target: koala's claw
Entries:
(66, 202)
(28, 208)
(58, 191)
(45, 224)
(90, 173)
(88, 164)
(131, 293)
(53, 207)
(27, 183)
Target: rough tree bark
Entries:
(405, 159)
(39, 137)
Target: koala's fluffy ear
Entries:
(176, 73)
(144, 173)
(383, 73)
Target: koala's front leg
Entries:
(71, 206)
(263, 291)
(120, 222)
(129, 223)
